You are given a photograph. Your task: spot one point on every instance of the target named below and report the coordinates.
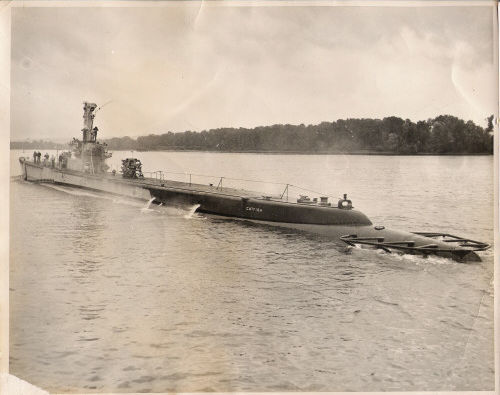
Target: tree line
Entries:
(445, 134)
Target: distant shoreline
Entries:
(357, 153)
(371, 153)
(443, 135)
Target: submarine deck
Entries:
(220, 200)
(155, 183)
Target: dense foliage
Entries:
(444, 134)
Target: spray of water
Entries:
(148, 204)
(191, 212)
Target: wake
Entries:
(187, 212)
(86, 193)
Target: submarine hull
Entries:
(227, 202)
(260, 209)
(326, 221)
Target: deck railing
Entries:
(158, 177)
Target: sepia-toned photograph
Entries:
(240, 196)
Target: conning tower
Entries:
(89, 154)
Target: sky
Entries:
(196, 66)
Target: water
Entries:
(113, 295)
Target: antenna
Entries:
(109, 101)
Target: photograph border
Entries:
(5, 59)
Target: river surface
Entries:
(110, 295)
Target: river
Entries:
(110, 295)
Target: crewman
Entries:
(34, 156)
(53, 161)
(60, 160)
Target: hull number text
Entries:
(254, 209)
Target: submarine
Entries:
(84, 166)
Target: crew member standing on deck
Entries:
(34, 156)
(53, 161)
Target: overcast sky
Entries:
(198, 66)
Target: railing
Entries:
(159, 177)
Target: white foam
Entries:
(147, 208)
(191, 212)
(413, 258)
